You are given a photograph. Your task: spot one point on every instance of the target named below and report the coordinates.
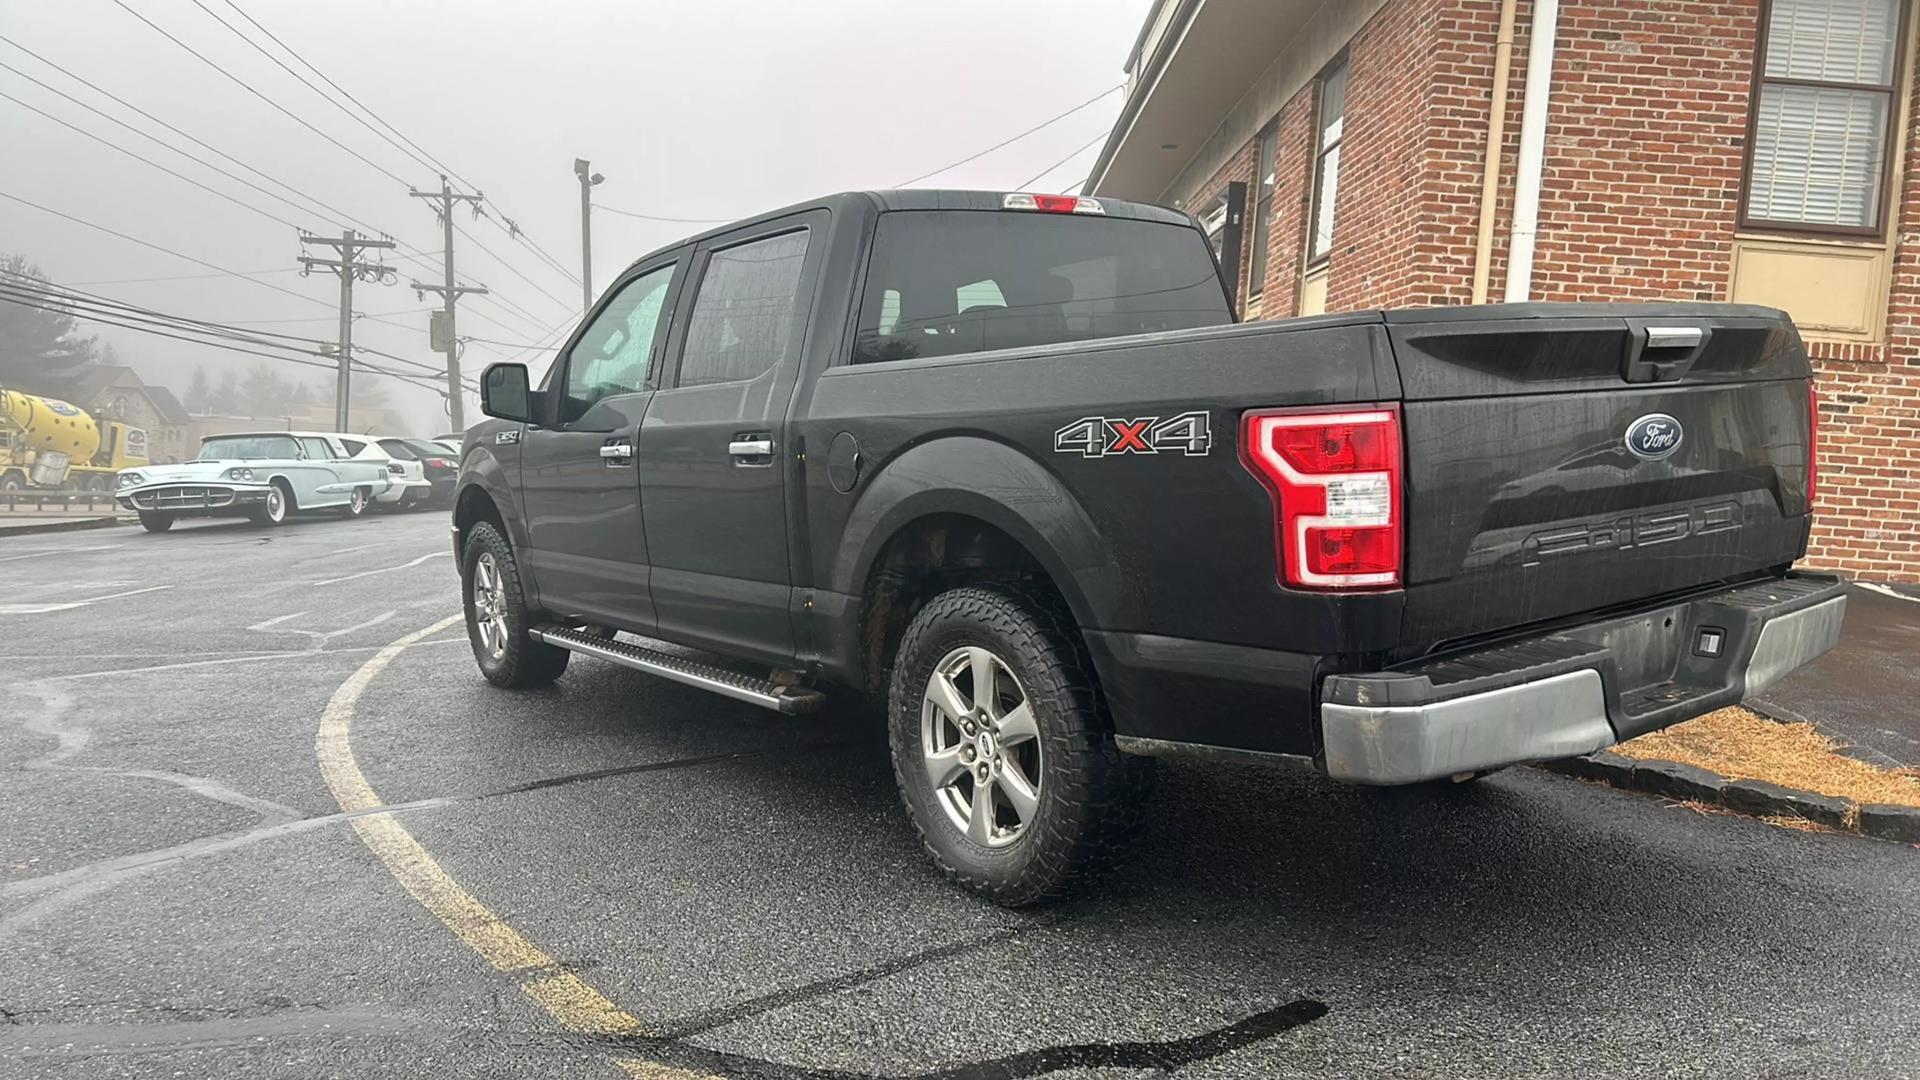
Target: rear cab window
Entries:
(950, 282)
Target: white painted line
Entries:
(266, 624)
(384, 569)
(60, 551)
(1885, 591)
(43, 609)
(345, 550)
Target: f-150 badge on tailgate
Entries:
(1654, 436)
(1097, 436)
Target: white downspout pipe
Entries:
(1533, 151)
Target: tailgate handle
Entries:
(1657, 353)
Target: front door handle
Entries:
(616, 454)
(750, 448)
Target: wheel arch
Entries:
(926, 523)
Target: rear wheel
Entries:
(357, 502)
(155, 522)
(1003, 750)
(497, 616)
(278, 505)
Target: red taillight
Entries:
(1335, 478)
(1813, 443)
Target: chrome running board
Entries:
(790, 700)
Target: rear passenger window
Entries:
(743, 317)
(353, 446)
(317, 449)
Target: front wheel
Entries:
(155, 522)
(497, 616)
(1003, 750)
(275, 509)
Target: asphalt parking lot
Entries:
(621, 876)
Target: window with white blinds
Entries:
(1822, 114)
(1326, 173)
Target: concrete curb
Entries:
(1673, 780)
(38, 528)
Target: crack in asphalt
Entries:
(710, 1019)
(295, 1021)
(88, 879)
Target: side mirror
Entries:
(505, 394)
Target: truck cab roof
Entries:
(891, 199)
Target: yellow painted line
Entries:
(566, 997)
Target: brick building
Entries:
(1760, 151)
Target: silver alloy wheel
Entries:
(357, 502)
(490, 605)
(981, 746)
(276, 503)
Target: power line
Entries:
(124, 103)
(97, 301)
(669, 220)
(190, 277)
(163, 250)
(513, 269)
(304, 62)
(248, 87)
(1004, 142)
(1090, 144)
(149, 161)
(203, 163)
(105, 320)
(515, 233)
(329, 99)
(510, 227)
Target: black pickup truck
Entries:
(1007, 462)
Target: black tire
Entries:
(13, 482)
(357, 502)
(517, 662)
(155, 521)
(1089, 797)
(277, 509)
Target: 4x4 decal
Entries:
(1189, 433)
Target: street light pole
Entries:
(588, 178)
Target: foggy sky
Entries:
(694, 110)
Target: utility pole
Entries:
(350, 267)
(588, 178)
(443, 336)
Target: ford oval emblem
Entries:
(1654, 436)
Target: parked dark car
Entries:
(441, 466)
(1007, 462)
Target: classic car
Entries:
(266, 476)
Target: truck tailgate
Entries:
(1525, 501)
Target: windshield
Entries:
(945, 282)
(397, 449)
(248, 448)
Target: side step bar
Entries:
(790, 700)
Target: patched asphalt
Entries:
(177, 897)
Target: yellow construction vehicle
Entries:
(47, 443)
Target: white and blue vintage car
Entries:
(266, 476)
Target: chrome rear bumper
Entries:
(1578, 689)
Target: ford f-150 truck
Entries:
(1007, 462)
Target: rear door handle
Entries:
(750, 448)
